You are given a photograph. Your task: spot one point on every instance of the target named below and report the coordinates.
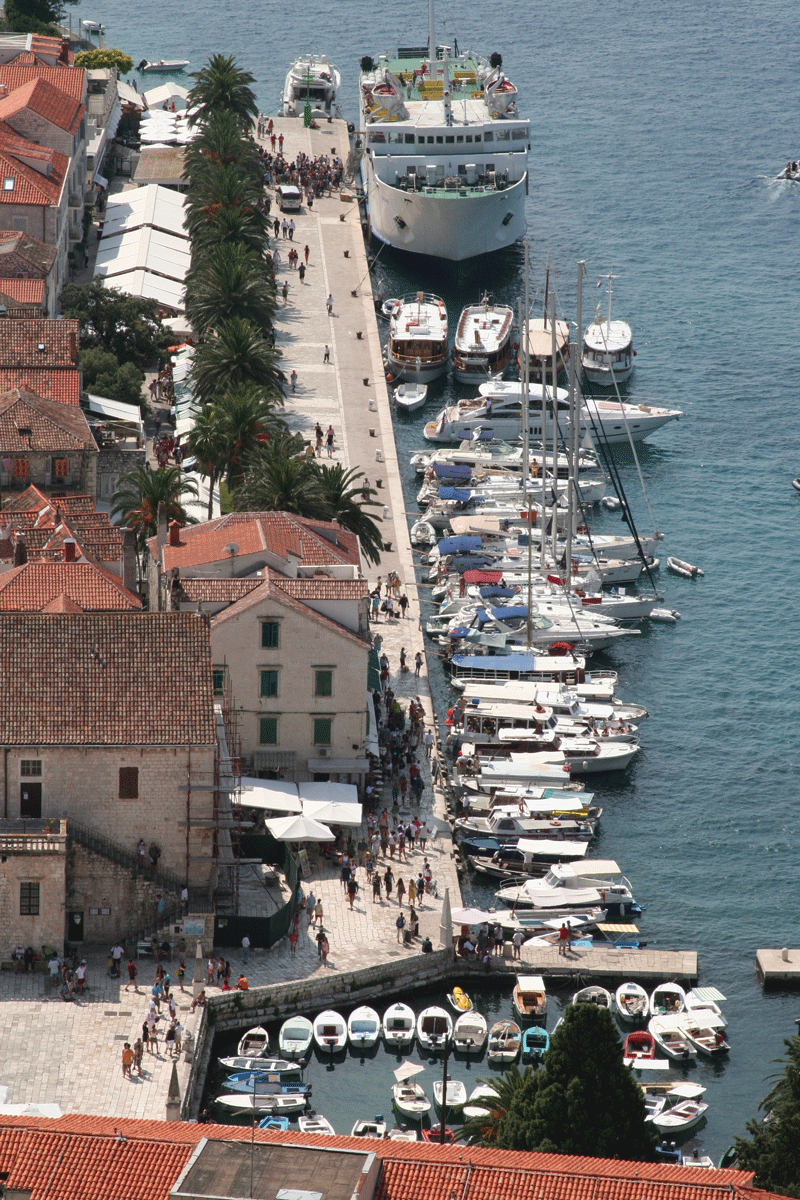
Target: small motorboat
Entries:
(254, 1044)
(376, 1128)
(402, 1134)
(316, 1124)
(433, 1026)
(681, 1109)
(399, 1026)
(250, 1082)
(330, 1031)
(264, 1066)
(363, 1027)
(434, 1134)
(410, 396)
(475, 1106)
(295, 1037)
(454, 1098)
(633, 1004)
(387, 308)
(530, 998)
(667, 998)
(470, 1033)
(163, 66)
(696, 1159)
(594, 994)
(664, 616)
(261, 1103)
(678, 567)
(796, 484)
(670, 1036)
(639, 1044)
(704, 1032)
(505, 1042)
(459, 1000)
(535, 1043)
(410, 1100)
(279, 1123)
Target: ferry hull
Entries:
(445, 225)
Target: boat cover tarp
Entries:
(496, 592)
(463, 564)
(454, 493)
(459, 545)
(503, 613)
(505, 662)
(476, 576)
(445, 470)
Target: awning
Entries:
(115, 410)
(446, 470)
(482, 576)
(270, 794)
(344, 766)
(455, 493)
(373, 671)
(459, 545)
(333, 812)
(342, 793)
(100, 179)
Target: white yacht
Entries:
(311, 78)
(607, 354)
(482, 347)
(444, 151)
(417, 346)
(575, 885)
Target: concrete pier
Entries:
(778, 968)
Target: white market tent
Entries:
(334, 802)
(165, 93)
(299, 828)
(160, 207)
(144, 250)
(152, 287)
(271, 794)
(345, 793)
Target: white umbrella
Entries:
(470, 916)
(333, 811)
(299, 829)
(407, 1071)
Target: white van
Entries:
(288, 198)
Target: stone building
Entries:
(45, 443)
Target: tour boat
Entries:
(163, 66)
(540, 349)
(410, 396)
(454, 1098)
(254, 1044)
(632, 1003)
(376, 1128)
(470, 1033)
(593, 994)
(330, 1031)
(444, 151)
(667, 998)
(263, 1066)
(310, 79)
(363, 1027)
(262, 1103)
(530, 998)
(670, 1036)
(678, 567)
(505, 1041)
(574, 885)
(316, 1124)
(295, 1037)
(417, 346)
(433, 1026)
(639, 1044)
(410, 1100)
(475, 1106)
(607, 354)
(459, 1000)
(482, 346)
(535, 1043)
(399, 1025)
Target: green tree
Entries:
(230, 226)
(207, 444)
(772, 1148)
(221, 185)
(222, 85)
(482, 1131)
(96, 59)
(280, 479)
(220, 140)
(126, 326)
(33, 16)
(585, 1100)
(238, 355)
(139, 494)
(228, 281)
(344, 501)
(104, 376)
(244, 420)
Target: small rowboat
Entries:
(796, 484)
(410, 396)
(434, 1134)
(639, 1044)
(316, 1124)
(535, 1043)
(633, 1003)
(376, 1128)
(678, 567)
(255, 1043)
(459, 1000)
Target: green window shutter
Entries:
(323, 683)
(269, 731)
(270, 635)
(269, 683)
(322, 731)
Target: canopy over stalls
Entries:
(299, 828)
(270, 794)
(336, 803)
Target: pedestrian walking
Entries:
(280, 142)
(285, 227)
(422, 836)
(376, 887)
(245, 948)
(418, 662)
(210, 968)
(352, 888)
(428, 742)
(133, 971)
(324, 949)
(127, 1060)
(329, 438)
(388, 882)
(403, 603)
(178, 1028)
(169, 1041)
(293, 941)
(138, 1051)
(401, 891)
(276, 226)
(318, 912)
(516, 942)
(291, 229)
(301, 271)
(181, 973)
(152, 1033)
(293, 378)
(329, 305)
(285, 292)
(326, 358)
(412, 893)
(401, 924)
(499, 940)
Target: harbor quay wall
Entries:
(261, 1005)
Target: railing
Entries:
(122, 855)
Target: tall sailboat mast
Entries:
(431, 32)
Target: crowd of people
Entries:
(313, 176)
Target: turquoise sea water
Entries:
(656, 134)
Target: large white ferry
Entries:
(444, 152)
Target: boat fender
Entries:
(557, 823)
(565, 767)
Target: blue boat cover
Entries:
(470, 562)
(502, 614)
(499, 662)
(454, 493)
(452, 470)
(460, 631)
(488, 593)
(464, 544)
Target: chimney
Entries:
(70, 550)
(20, 549)
(174, 533)
(73, 347)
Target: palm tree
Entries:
(345, 501)
(225, 226)
(482, 1131)
(228, 281)
(207, 445)
(220, 140)
(246, 420)
(222, 85)
(238, 355)
(279, 479)
(221, 185)
(141, 492)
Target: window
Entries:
(269, 683)
(218, 680)
(8, 183)
(270, 635)
(29, 899)
(322, 731)
(31, 768)
(269, 731)
(129, 783)
(323, 682)
(21, 470)
(60, 468)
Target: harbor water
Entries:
(656, 134)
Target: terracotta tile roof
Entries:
(268, 591)
(52, 47)
(50, 103)
(113, 679)
(282, 534)
(218, 591)
(62, 604)
(22, 255)
(56, 384)
(46, 531)
(52, 426)
(318, 588)
(17, 292)
(104, 1158)
(24, 68)
(30, 186)
(87, 585)
(20, 342)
